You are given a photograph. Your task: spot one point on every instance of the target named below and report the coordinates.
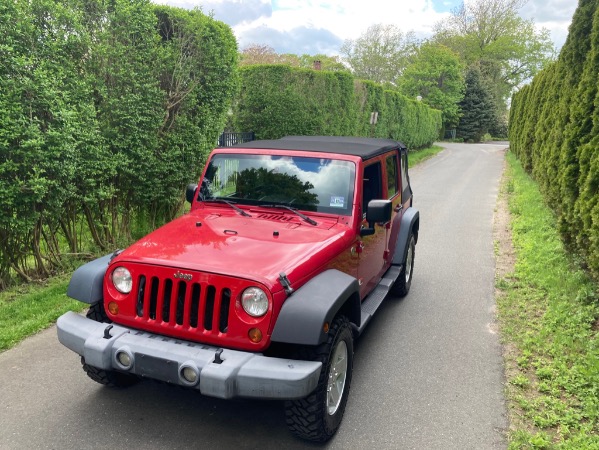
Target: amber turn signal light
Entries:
(113, 308)
(255, 335)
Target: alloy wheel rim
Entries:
(337, 377)
(409, 263)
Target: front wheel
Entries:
(401, 287)
(96, 312)
(318, 416)
(110, 378)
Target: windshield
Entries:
(311, 184)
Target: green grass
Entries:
(548, 313)
(417, 156)
(29, 308)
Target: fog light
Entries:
(189, 374)
(113, 308)
(255, 335)
(124, 359)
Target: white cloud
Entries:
(321, 26)
(350, 18)
(555, 15)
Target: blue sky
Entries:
(444, 5)
(321, 26)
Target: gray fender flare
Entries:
(410, 223)
(304, 313)
(86, 281)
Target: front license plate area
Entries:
(157, 368)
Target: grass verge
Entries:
(548, 313)
(29, 308)
(418, 156)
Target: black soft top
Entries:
(357, 146)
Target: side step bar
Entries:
(374, 300)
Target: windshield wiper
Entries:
(230, 203)
(293, 210)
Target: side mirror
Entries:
(378, 211)
(190, 193)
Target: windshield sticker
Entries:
(337, 202)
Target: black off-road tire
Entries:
(109, 378)
(106, 377)
(309, 418)
(402, 285)
(98, 313)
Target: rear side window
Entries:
(405, 181)
(391, 165)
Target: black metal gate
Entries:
(230, 139)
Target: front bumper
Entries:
(232, 374)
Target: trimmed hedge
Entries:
(554, 131)
(279, 100)
(107, 110)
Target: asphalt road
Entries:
(427, 373)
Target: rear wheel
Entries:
(402, 285)
(318, 416)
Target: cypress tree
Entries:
(576, 107)
(584, 139)
(555, 133)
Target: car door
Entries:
(372, 248)
(395, 193)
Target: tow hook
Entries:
(217, 358)
(107, 332)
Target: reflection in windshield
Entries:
(312, 184)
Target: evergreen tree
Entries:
(478, 108)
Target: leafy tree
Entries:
(264, 54)
(490, 34)
(380, 54)
(477, 108)
(435, 73)
(330, 63)
(258, 54)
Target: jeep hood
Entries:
(258, 247)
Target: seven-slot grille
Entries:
(181, 302)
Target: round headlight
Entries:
(254, 301)
(121, 278)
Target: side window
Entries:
(372, 184)
(405, 182)
(391, 163)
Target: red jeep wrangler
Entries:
(259, 291)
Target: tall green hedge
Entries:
(277, 100)
(107, 110)
(554, 131)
